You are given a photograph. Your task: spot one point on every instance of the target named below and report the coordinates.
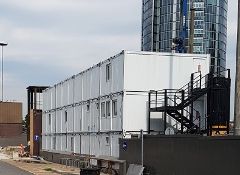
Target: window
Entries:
(108, 72)
(49, 119)
(72, 144)
(88, 107)
(107, 141)
(114, 107)
(103, 109)
(65, 116)
(108, 108)
(97, 105)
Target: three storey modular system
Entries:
(90, 111)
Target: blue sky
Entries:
(50, 40)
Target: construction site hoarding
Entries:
(10, 112)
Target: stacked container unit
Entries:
(78, 112)
(89, 112)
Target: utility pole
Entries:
(2, 45)
(237, 81)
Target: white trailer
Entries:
(90, 111)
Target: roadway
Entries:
(7, 169)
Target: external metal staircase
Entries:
(179, 103)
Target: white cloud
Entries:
(50, 40)
(62, 37)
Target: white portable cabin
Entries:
(90, 111)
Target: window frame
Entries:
(103, 110)
(65, 116)
(108, 72)
(114, 108)
(49, 119)
(108, 109)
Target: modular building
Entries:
(88, 112)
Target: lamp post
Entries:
(2, 44)
(237, 89)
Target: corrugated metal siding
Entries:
(86, 79)
(70, 120)
(44, 142)
(85, 144)
(77, 144)
(78, 88)
(95, 145)
(10, 130)
(44, 127)
(105, 84)
(94, 112)
(58, 143)
(63, 121)
(10, 112)
(95, 83)
(84, 89)
(71, 91)
(59, 95)
(59, 121)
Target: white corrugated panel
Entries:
(70, 119)
(77, 118)
(58, 143)
(45, 105)
(106, 124)
(48, 142)
(117, 73)
(95, 84)
(85, 147)
(47, 123)
(161, 70)
(94, 110)
(58, 121)
(69, 143)
(78, 88)
(77, 144)
(115, 145)
(53, 122)
(135, 109)
(59, 95)
(44, 142)
(64, 142)
(65, 93)
(86, 77)
(105, 84)
(44, 129)
(95, 145)
(47, 100)
(53, 98)
(63, 121)
(117, 119)
(70, 91)
(105, 145)
(85, 118)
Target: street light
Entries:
(2, 44)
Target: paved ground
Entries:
(7, 169)
(22, 166)
(3, 156)
(42, 169)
